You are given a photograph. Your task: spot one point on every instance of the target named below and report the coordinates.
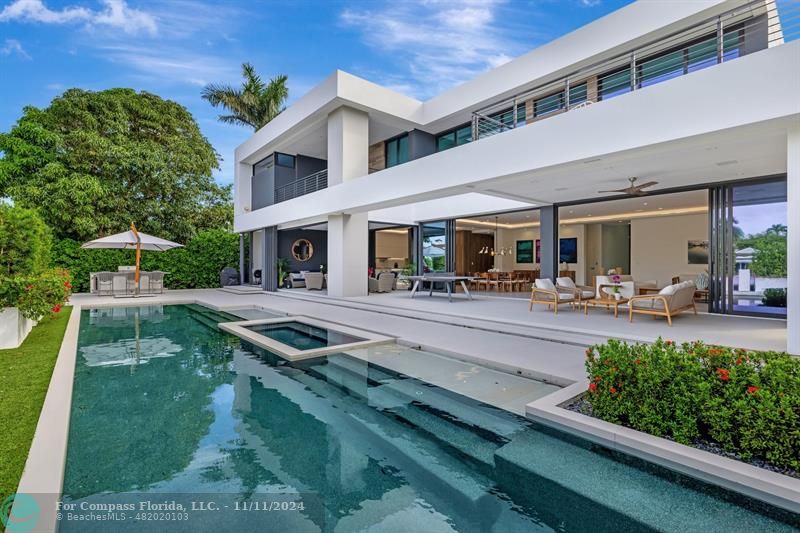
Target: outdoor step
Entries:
(208, 322)
(466, 442)
(216, 316)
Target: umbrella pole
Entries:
(138, 257)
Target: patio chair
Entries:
(580, 292)
(383, 283)
(314, 280)
(545, 293)
(156, 282)
(670, 301)
(105, 283)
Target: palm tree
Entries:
(776, 229)
(254, 104)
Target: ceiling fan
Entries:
(633, 189)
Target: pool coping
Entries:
(754, 482)
(239, 329)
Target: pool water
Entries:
(196, 410)
(303, 336)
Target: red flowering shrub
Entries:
(36, 295)
(748, 402)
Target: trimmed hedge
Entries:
(195, 266)
(748, 402)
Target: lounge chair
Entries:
(385, 282)
(314, 280)
(580, 292)
(545, 293)
(670, 301)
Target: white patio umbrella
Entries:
(130, 240)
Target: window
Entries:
(456, 137)
(397, 151)
(507, 116)
(614, 83)
(555, 102)
(578, 94)
(661, 68)
(284, 160)
(548, 104)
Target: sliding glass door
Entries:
(748, 226)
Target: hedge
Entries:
(195, 266)
(748, 402)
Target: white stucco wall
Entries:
(659, 247)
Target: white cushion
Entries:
(587, 294)
(669, 290)
(545, 284)
(565, 282)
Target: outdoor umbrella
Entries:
(130, 240)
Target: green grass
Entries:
(24, 377)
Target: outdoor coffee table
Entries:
(608, 302)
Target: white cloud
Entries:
(13, 46)
(174, 64)
(436, 43)
(114, 14)
(591, 3)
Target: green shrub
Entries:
(748, 402)
(193, 267)
(774, 297)
(24, 241)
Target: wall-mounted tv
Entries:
(568, 250)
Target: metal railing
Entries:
(748, 28)
(300, 187)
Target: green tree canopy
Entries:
(93, 162)
(254, 104)
(770, 247)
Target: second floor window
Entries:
(397, 151)
(456, 137)
(284, 160)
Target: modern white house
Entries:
(507, 171)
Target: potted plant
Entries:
(282, 264)
(616, 280)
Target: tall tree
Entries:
(254, 104)
(93, 162)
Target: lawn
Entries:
(24, 376)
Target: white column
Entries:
(793, 240)
(348, 158)
(348, 145)
(347, 254)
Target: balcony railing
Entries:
(750, 27)
(311, 183)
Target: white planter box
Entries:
(13, 327)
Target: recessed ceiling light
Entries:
(726, 163)
(639, 210)
(645, 203)
(572, 212)
(589, 215)
(660, 208)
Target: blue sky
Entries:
(172, 48)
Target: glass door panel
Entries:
(759, 228)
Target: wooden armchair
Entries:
(670, 301)
(545, 293)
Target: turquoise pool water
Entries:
(166, 405)
(302, 336)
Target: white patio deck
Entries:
(494, 332)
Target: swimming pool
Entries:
(188, 409)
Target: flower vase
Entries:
(617, 296)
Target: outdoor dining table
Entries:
(449, 282)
